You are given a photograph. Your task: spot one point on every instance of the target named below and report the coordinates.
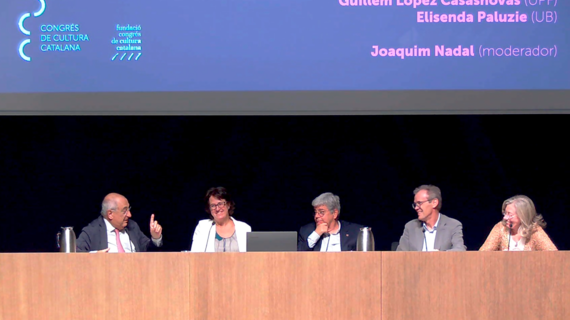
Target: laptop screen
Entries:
(271, 241)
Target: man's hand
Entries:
(155, 228)
(103, 251)
(322, 228)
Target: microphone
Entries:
(510, 229)
(208, 238)
(327, 235)
(424, 233)
(510, 226)
(130, 243)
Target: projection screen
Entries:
(283, 57)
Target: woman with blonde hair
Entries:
(521, 229)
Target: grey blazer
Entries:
(449, 236)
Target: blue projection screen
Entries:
(275, 56)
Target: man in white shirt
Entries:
(431, 231)
(328, 233)
(114, 231)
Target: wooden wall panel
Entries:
(307, 285)
(287, 285)
(147, 286)
(93, 286)
(475, 285)
(50, 286)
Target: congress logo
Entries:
(26, 32)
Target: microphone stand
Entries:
(425, 240)
(509, 243)
(208, 238)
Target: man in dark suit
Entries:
(113, 231)
(431, 231)
(328, 233)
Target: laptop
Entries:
(270, 241)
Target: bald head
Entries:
(110, 202)
(117, 210)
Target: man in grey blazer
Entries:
(431, 231)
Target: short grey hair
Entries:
(328, 199)
(108, 204)
(433, 193)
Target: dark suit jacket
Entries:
(94, 237)
(348, 235)
(449, 236)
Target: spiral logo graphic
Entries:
(27, 32)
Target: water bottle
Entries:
(66, 240)
(365, 240)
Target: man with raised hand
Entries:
(114, 231)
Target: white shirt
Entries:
(205, 235)
(429, 236)
(517, 245)
(112, 239)
(330, 243)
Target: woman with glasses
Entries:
(520, 230)
(221, 232)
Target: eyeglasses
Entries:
(125, 210)
(419, 203)
(217, 205)
(320, 213)
(507, 215)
